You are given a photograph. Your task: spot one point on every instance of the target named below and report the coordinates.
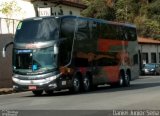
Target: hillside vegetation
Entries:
(145, 14)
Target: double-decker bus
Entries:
(75, 53)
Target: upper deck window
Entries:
(40, 30)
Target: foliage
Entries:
(154, 10)
(145, 14)
(125, 12)
(9, 9)
(87, 2)
(99, 9)
(150, 28)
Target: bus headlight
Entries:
(51, 78)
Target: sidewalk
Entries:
(6, 91)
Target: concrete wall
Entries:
(56, 9)
(27, 9)
(150, 48)
(5, 63)
(5, 28)
(67, 10)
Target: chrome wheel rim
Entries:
(121, 81)
(76, 84)
(86, 83)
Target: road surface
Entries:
(144, 93)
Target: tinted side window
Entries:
(86, 35)
(83, 31)
(135, 59)
(66, 39)
(109, 31)
(106, 62)
(67, 27)
(94, 30)
(130, 33)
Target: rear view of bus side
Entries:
(104, 52)
(75, 53)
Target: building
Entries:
(149, 49)
(58, 7)
(33, 8)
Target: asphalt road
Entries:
(144, 93)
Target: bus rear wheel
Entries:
(121, 79)
(37, 92)
(124, 79)
(127, 80)
(86, 83)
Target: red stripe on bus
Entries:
(105, 44)
(112, 73)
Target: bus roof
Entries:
(86, 18)
(103, 21)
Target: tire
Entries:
(86, 83)
(156, 73)
(37, 92)
(76, 85)
(121, 80)
(114, 85)
(94, 87)
(49, 92)
(127, 80)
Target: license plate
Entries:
(32, 87)
(63, 82)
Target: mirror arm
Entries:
(4, 49)
(8, 45)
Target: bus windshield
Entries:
(38, 60)
(37, 30)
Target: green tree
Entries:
(150, 28)
(100, 9)
(148, 20)
(87, 2)
(154, 10)
(145, 14)
(126, 10)
(9, 9)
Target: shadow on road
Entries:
(105, 89)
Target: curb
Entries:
(6, 91)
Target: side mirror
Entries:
(4, 49)
(55, 49)
(3, 53)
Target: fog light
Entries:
(53, 85)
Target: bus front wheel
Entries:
(49, 92)
(121, 80)
(76, 85)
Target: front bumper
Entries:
(32, 81)
(48, 83)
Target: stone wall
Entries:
(6, 63)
